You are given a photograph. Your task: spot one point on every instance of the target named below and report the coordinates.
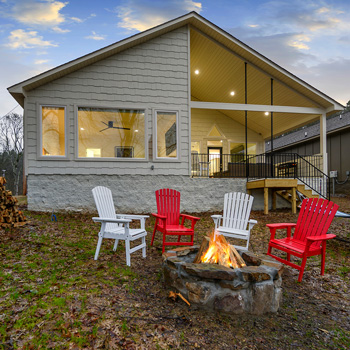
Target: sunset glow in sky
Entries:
(309, 38)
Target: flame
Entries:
(220, 252)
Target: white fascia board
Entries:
(255, 108)
(334, 108)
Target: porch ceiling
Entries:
(222, 70)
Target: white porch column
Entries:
(323, 141)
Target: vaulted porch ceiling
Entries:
(218, 76)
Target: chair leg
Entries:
(144, 248)
(154, 232)
(302, 267)
(178, 238)
(163, 242)
(99, 242)
(323, 257)
(115, 245)
(127, 252)
(269, 249)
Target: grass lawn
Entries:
(53, 295)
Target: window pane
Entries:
(111, 133)
(166, 135)
(53, 135)
(238, 153)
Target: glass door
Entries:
(215, 160)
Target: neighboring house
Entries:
(129, 116)
(305, 141)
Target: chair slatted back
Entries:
(104, 203)
(315, 217)
(237, 208)
(168, 204)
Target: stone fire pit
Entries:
(254, 289)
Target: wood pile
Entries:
(10, 216)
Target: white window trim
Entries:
(155, 146)
(108, 159)
(40, 129)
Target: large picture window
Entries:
(53, 131)
(111, 133)
(166, 126)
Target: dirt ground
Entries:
(53, 295)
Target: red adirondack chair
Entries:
(168, 218)
(310, 233)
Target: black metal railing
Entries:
(267, 165)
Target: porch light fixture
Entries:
(266, 113)
(196, 72)
(232, 93)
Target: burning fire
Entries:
(221, 252)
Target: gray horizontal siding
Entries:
(151, 75)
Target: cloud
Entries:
(95, 36)
(41, 61)
(60, 30)
(21, 39)
(141, 15)
(76, 19)
(45, 13)
(331, 77)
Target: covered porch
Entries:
(239, 99)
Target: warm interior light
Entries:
(232, 93)
(266, 113)
(196, 71)
(82, 129)
(136, 131)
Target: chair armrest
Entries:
(193, 219)
(216, 219)
(141, 218)
(321, 238)
(281, 225)
(106, 220)
(251, 223)
(131, 216)
(274, 227)
(189, 217)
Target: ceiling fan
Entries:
(110, 125)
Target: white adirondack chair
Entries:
(235, 221)
(116, 226)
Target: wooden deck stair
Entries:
(286, 188)
(287, 194)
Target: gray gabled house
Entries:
(139, 115)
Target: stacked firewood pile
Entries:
(10, 216)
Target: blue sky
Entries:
(310, 38)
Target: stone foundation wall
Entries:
(131, 193)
